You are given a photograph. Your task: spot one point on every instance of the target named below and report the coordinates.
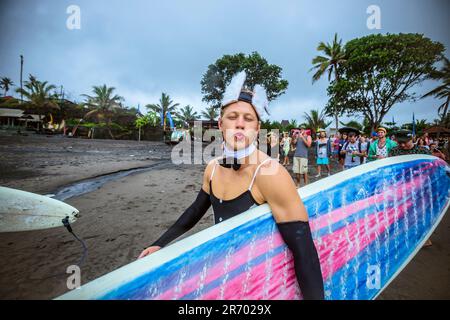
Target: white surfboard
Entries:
(24, 211)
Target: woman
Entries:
(272, 143)
(286, 142)
(323, 151)
(335, 140)
(341, 157)
(252, 178)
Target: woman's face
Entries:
(239, 125)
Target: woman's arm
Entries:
(187, 220)
(290, 214)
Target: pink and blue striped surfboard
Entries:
(367, 224)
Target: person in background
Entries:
(272, 143)
(381, 147)
(373, 137)
(436, 152)
(286, 144)
(364, 145)
(336, 139)
(323, 152)
(302, 142)
(426, 139)
(341, 157)
(351, 152)
(406, 146)
(421, 143)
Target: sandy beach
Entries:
(125, 215)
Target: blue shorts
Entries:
(322, 161)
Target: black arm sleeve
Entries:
(298, 238)
(187, 220)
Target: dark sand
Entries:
(125, 215)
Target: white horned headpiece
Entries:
(235, 91)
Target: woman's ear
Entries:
(220, 123)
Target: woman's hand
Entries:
(148, 251)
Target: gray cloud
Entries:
(146, 47)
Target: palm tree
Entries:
(442, 91)
(186, 114)
(334, 57)
(165, 106)
(104, 102)
(6, 83)
(316, 119)
(210, 113)
(38, 96)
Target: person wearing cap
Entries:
(323, 152)
(302, 142)
(351, 151)
(380, 148)
(245, 178)
(406, 145)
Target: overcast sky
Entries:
(144, 48)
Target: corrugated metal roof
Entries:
(10, 113)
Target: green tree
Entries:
(353, 124)
(104, 103)
(420, 125)
(164, 106)
(380, 71)
(442, 91)
(5, 84)
(258, 70)
(334, 57)
(187, 114)
(316, 119)
(210, 113)
(38, 96)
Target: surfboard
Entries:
(367, 223)
(24, 211)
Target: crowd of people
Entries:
(348, 149)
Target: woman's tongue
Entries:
(239, 136)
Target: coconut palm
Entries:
(5, 84)
(333, 59)
(442, 91)
(38, 96)
(315, 119)
(104, 103)
(164, 106)
(186, 114)
(210, 113)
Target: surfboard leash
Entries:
(66, 224)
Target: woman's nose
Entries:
(240, 122)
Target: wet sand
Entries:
(122, 217)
